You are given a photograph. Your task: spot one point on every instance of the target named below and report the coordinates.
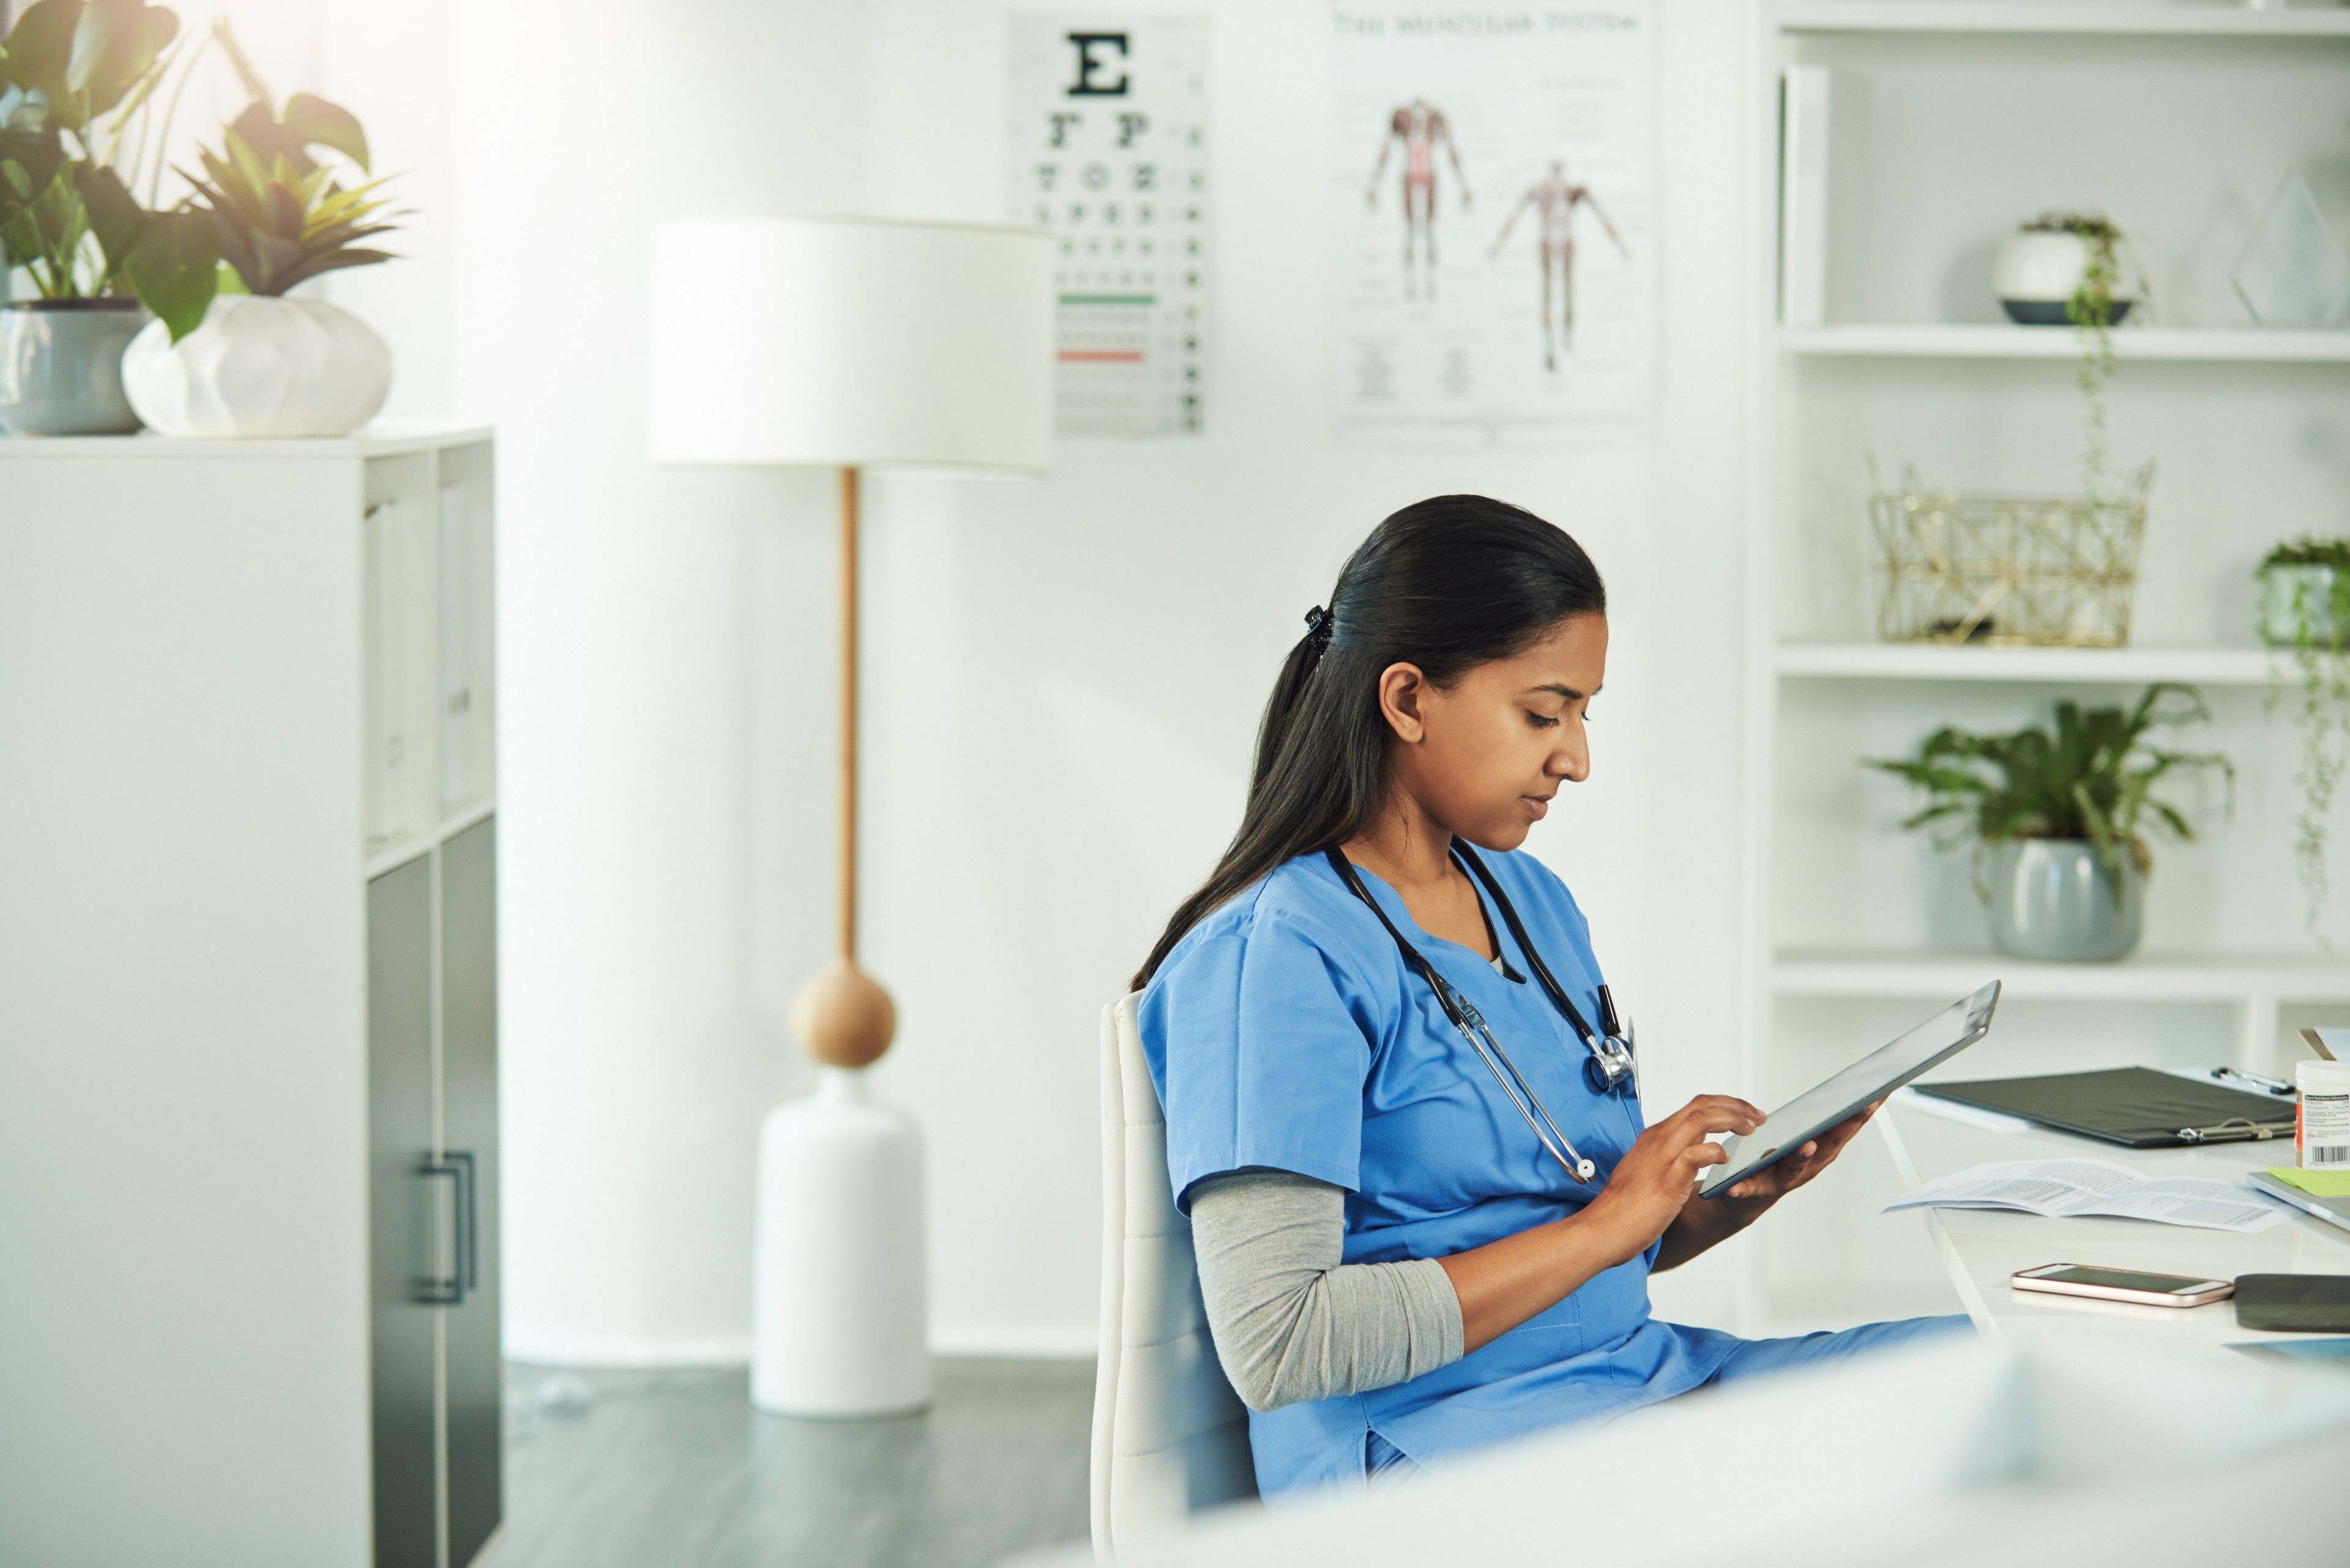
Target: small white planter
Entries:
(260, 367)
(2038, 272)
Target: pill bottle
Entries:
(2320, 1133)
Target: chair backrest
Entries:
(1170, 1435)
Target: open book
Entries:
(2070, 1189)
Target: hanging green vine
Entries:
(2315, 578)
(2090, 310)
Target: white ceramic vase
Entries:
(260, 367)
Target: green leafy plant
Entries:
(2090, 778)
(77, 81)
(279, 215)
(2316, 576)
(2090, 310)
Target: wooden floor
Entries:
(674, 1469)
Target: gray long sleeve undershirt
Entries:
(1290, 1320)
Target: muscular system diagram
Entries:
(1422, 128)
(1554, 199)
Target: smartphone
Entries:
(2123, 1286)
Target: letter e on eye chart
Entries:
(1109, 153)
(1492, 234)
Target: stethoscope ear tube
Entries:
(1609, 1066)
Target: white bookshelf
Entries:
(1949, 124)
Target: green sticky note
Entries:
(2316, 1183)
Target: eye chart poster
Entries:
(1493, 222)
(1109, 153)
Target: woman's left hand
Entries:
(1806, 1162)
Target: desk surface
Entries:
(1982, 1247)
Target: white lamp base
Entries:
(838, 1304)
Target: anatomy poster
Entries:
(1492, 222)
(1109, 152)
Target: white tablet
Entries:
(1873, 1077)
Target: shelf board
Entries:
(1992, 340)
(2091, 666)
(1995, 16)
(389, 438)
(2145, 977)
(399, 850)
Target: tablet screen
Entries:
(1872, 1077)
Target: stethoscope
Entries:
(1609, 1068)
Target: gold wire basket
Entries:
(1974, 567)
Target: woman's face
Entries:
(1484, 756)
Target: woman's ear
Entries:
(1401, 689)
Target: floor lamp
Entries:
(852, 344)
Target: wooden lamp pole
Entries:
(842, 1017)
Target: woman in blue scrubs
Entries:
(1473, 1289)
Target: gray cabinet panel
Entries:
(400, 1139)
(469, 1086)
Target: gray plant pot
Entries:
(2280, 588)
(2050, 898)
(61, 366)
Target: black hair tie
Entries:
(1317, 628)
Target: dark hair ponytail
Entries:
(1448, 583)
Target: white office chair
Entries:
(1170, 1435)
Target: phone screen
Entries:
(2124, 1279)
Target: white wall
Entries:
(1064, 674)
(666, 635)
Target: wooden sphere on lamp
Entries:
(842, 1017)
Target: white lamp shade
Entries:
(852, 342)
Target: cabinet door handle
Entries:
(469, 1221)
(456, 1166)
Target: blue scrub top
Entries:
(1285, 1032)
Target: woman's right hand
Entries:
(1648, 1188)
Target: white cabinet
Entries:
(248, 1001)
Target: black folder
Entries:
(2293, 1303)
(2136, 1106)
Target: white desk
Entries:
(1983, 1247)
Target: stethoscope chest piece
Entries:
(1611, 1065)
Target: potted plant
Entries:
(77, 78)
(2058, 818)
(2304, 598)
(2063, 269)
(252, 361)
(2059, 268)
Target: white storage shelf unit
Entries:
(1949, 124)
(248, 981)
(431, 704)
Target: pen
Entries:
(2269, 1086)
